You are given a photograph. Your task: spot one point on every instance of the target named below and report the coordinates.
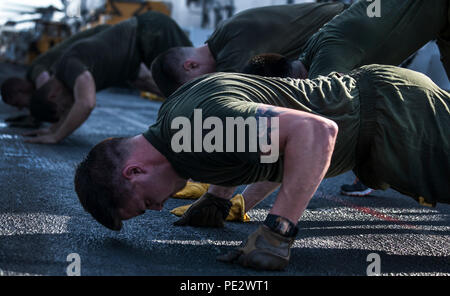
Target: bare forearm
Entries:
(84, 103)
(77, 115)
(256, 192)
(306, 161)
(54, 127)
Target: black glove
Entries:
(208, 211)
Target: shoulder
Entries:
(204, 91)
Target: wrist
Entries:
(281, 225)
(54, 136)
(221, 192)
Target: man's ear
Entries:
(131, 171)
(190, 65)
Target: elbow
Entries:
(332, 129)
(327, 131)
(88, 104)
(91, 105)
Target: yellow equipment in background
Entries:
(120, 10)
(151, 96)
(113, 12)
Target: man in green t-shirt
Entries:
(282, 29)
(120, 54)
(387, 124)
(17, 91)
(353, 39)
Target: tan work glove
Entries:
(264, 249)
(237, 210)
(192, 190)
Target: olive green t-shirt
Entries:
(114, 55)
(110, 56)
(353, 39)
(157, 33)
(45, 61)
(282, 29)
(232, 95)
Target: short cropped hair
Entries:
(167, 70)
(11, 86)
(269, 65)
(98, 184)
(41, 107)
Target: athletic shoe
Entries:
(356, 189)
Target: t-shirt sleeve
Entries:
(68, 70)
(222, 44)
